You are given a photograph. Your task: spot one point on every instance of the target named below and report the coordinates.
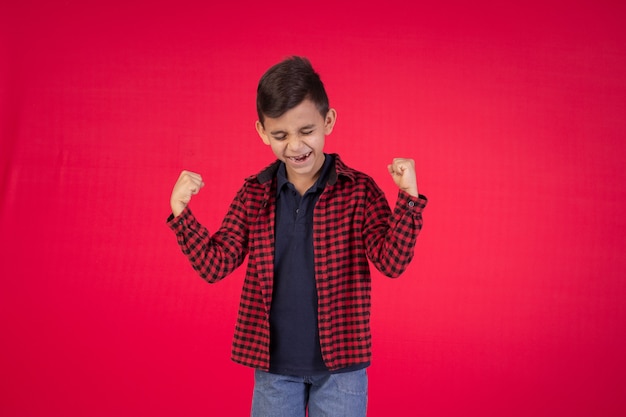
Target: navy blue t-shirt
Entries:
(294, 344)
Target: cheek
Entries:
(277, 148)
(319, 141)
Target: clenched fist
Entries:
(402, 171)
(188, 185)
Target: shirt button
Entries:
(411, 203)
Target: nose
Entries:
(295, 143)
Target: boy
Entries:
(308, 224)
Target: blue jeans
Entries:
(335, 395)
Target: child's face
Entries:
(297, 138)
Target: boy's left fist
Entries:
(402, 171)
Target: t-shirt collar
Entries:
(281, 175)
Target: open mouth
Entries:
(300, 158)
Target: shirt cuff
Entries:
(410, 202)
(182, 221)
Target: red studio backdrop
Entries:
(514, 113)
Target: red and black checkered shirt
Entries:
(352, 223)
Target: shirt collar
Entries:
(337, 169)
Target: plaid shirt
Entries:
(352, 223)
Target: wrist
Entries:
(177, 209)
(412, 191)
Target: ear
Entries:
(261, 131)
(329, 121)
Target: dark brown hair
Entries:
(286, 85)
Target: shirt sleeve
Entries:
(213, 256)
(390, 236)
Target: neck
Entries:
(303, 183)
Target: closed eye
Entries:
(307, 130)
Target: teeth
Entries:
(300, 158)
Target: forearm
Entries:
(212, 256)
(390, 240)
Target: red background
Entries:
(515, 115)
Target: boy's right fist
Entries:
(188, 184)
